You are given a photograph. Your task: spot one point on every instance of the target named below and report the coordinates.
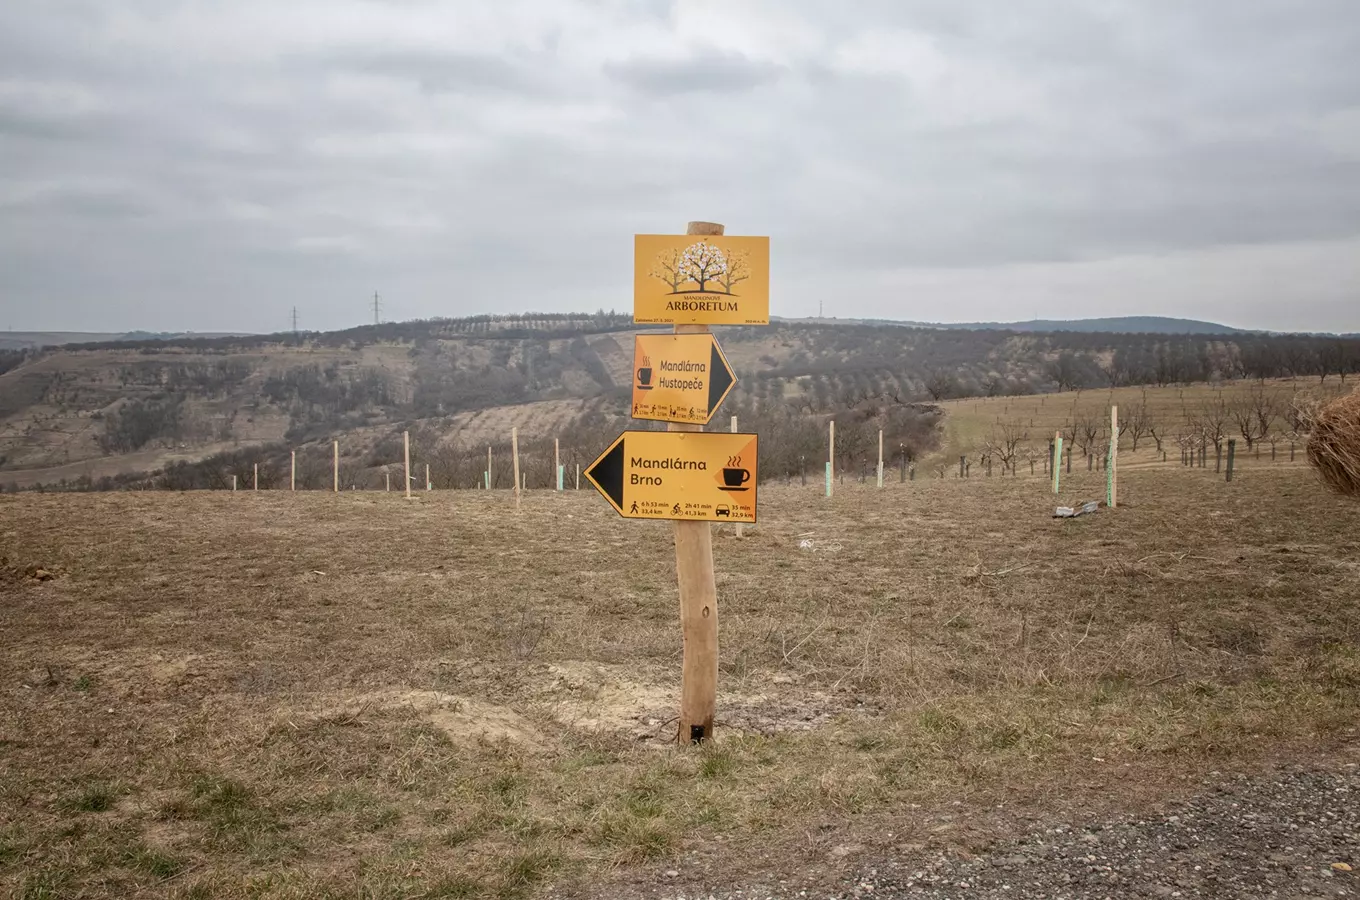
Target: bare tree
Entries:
(1115, 370)
(1065, 371)
(1156, 430)
(1136, 421)
(1087, 429)
(1254, 413)
(1006, 441)
(1211, 421)
(1266, 408)
(941, 385)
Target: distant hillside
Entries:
(201, 407)
(23, 340)
(1112, 325)
(1109, 325)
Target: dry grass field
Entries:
(1173, 409)
(306, 696)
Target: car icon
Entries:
(723, 512)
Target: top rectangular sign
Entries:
(701, 280)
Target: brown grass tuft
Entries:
(1334, 445)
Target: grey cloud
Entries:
(699, 72)
(465, 174)
(454, 72)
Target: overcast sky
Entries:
(171, 164)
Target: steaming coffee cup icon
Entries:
(734, 477)
(644, 376)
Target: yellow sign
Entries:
(709, 280)
(679, 377)
(691, 475)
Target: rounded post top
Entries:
(704, 228)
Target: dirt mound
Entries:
(13, 573)
(463, 719)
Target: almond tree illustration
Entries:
(668, 267)
(701, 268)
(738, 269)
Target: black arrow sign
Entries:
(607, 474)
(721, 379)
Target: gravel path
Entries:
(1293, 834)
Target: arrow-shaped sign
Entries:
(688, 475)
(679, 377)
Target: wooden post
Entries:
(902, 476)
(831, 457)
(963, 462)
(578, 476)
(429, 485)
(698, 595)
(1218, 458)
(488, 467)
(1291, 451)
(880, 457)
(1056, 454)
(1113, 475)
(233, 484)
(514, 456)
(257, 477)
(1232, 452)
(387, 481)
(406, 458)
(292, 472)
(557, 463)
(335, 467)
(740, 529)
(1069, 459)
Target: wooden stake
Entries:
(387, 479)
(1055, 457)
(831, 457)
(1232, 454)
(233, 484)
(335, 467)
(698, 596)
(514, 456)
(406, 454)
(292, 472)
(488, 467)
(1114, 457)
(257, 477)
(429, 485)
(557, 463)
(880, 457)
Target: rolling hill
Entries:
(1109, 325)
(110, 412)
